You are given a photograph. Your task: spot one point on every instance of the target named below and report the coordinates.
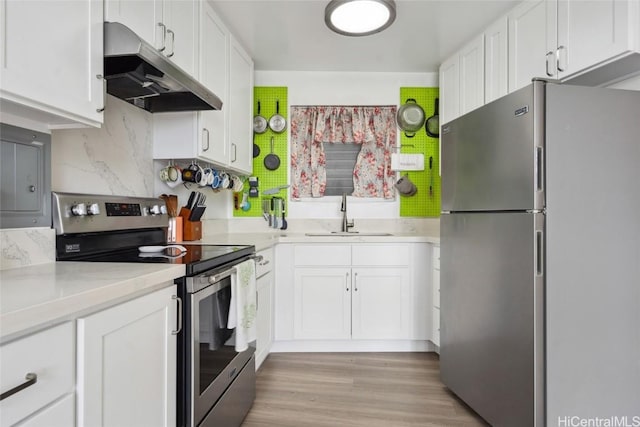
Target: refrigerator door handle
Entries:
(539, 253)
(539, 169)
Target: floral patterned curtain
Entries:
(373, 127)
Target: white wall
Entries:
(344, 88)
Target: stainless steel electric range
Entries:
(216, 384)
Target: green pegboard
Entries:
(422, 204)
(268, 96)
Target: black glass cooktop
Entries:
(197, 258)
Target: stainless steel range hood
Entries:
(138, 73)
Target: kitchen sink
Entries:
(348, 234)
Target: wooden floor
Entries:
(355, 389)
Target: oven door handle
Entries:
(179, 301)
(218, 277)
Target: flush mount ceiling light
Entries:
(359, 17)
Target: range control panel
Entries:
(82, 213)
(123, 209)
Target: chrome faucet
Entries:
(346, 225)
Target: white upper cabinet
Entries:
(562, 39)
(472, 75)
(223, 137)
(214, 74)
(462, 81)
(51, 61)
(143, 17)
(240, 108)
(530, 34)
(592, 32)
(181, 21)
(170, 26)
(496, 77)
(449, 89)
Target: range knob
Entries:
(94, 209)
(154, 210)
(163, 209)
(79, 210)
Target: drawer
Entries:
(381, 255)
(436, 257)
(322, 255)
(61, 414)
(266, 264)
(48, 354)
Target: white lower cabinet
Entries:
(43, 364)
(264, 315)
(436, 295)
(322, 303)
(358, 303)
(353, 292)
(127, 363)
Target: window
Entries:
(340, 162)
(323, 134)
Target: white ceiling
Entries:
(290, 35)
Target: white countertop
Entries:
(265, 240)
(38, 296)
(41, 295)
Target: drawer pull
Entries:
(30, 378)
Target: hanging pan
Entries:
(259, 122)
(256, 147)
(410, 117)
(432, 126)
(277, 123)
(272, 161)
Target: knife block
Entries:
(191, 230)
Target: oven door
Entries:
(214, 360)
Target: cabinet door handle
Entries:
(235, 156)
(30, 378)
(558, 62)
(207, 139)
(179, 301)
(173, 43)
(547, 56)
(104, 90)
(164, 36)
(355, 282)
(347, 282)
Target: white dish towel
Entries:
(242, 313)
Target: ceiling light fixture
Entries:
(359, 17)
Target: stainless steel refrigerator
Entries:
(540, 256)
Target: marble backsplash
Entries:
(115, 159)
(21, 247)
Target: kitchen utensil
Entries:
(192, 198)
(431, 176)
(197, 213)
(277, 123)
(410, 117)
(256, 147)
(160, 255)
(272, 161)
(275, 190)
(246, 204)
(432, 125)
(149, 249)
(259, 123)
(284, 224)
